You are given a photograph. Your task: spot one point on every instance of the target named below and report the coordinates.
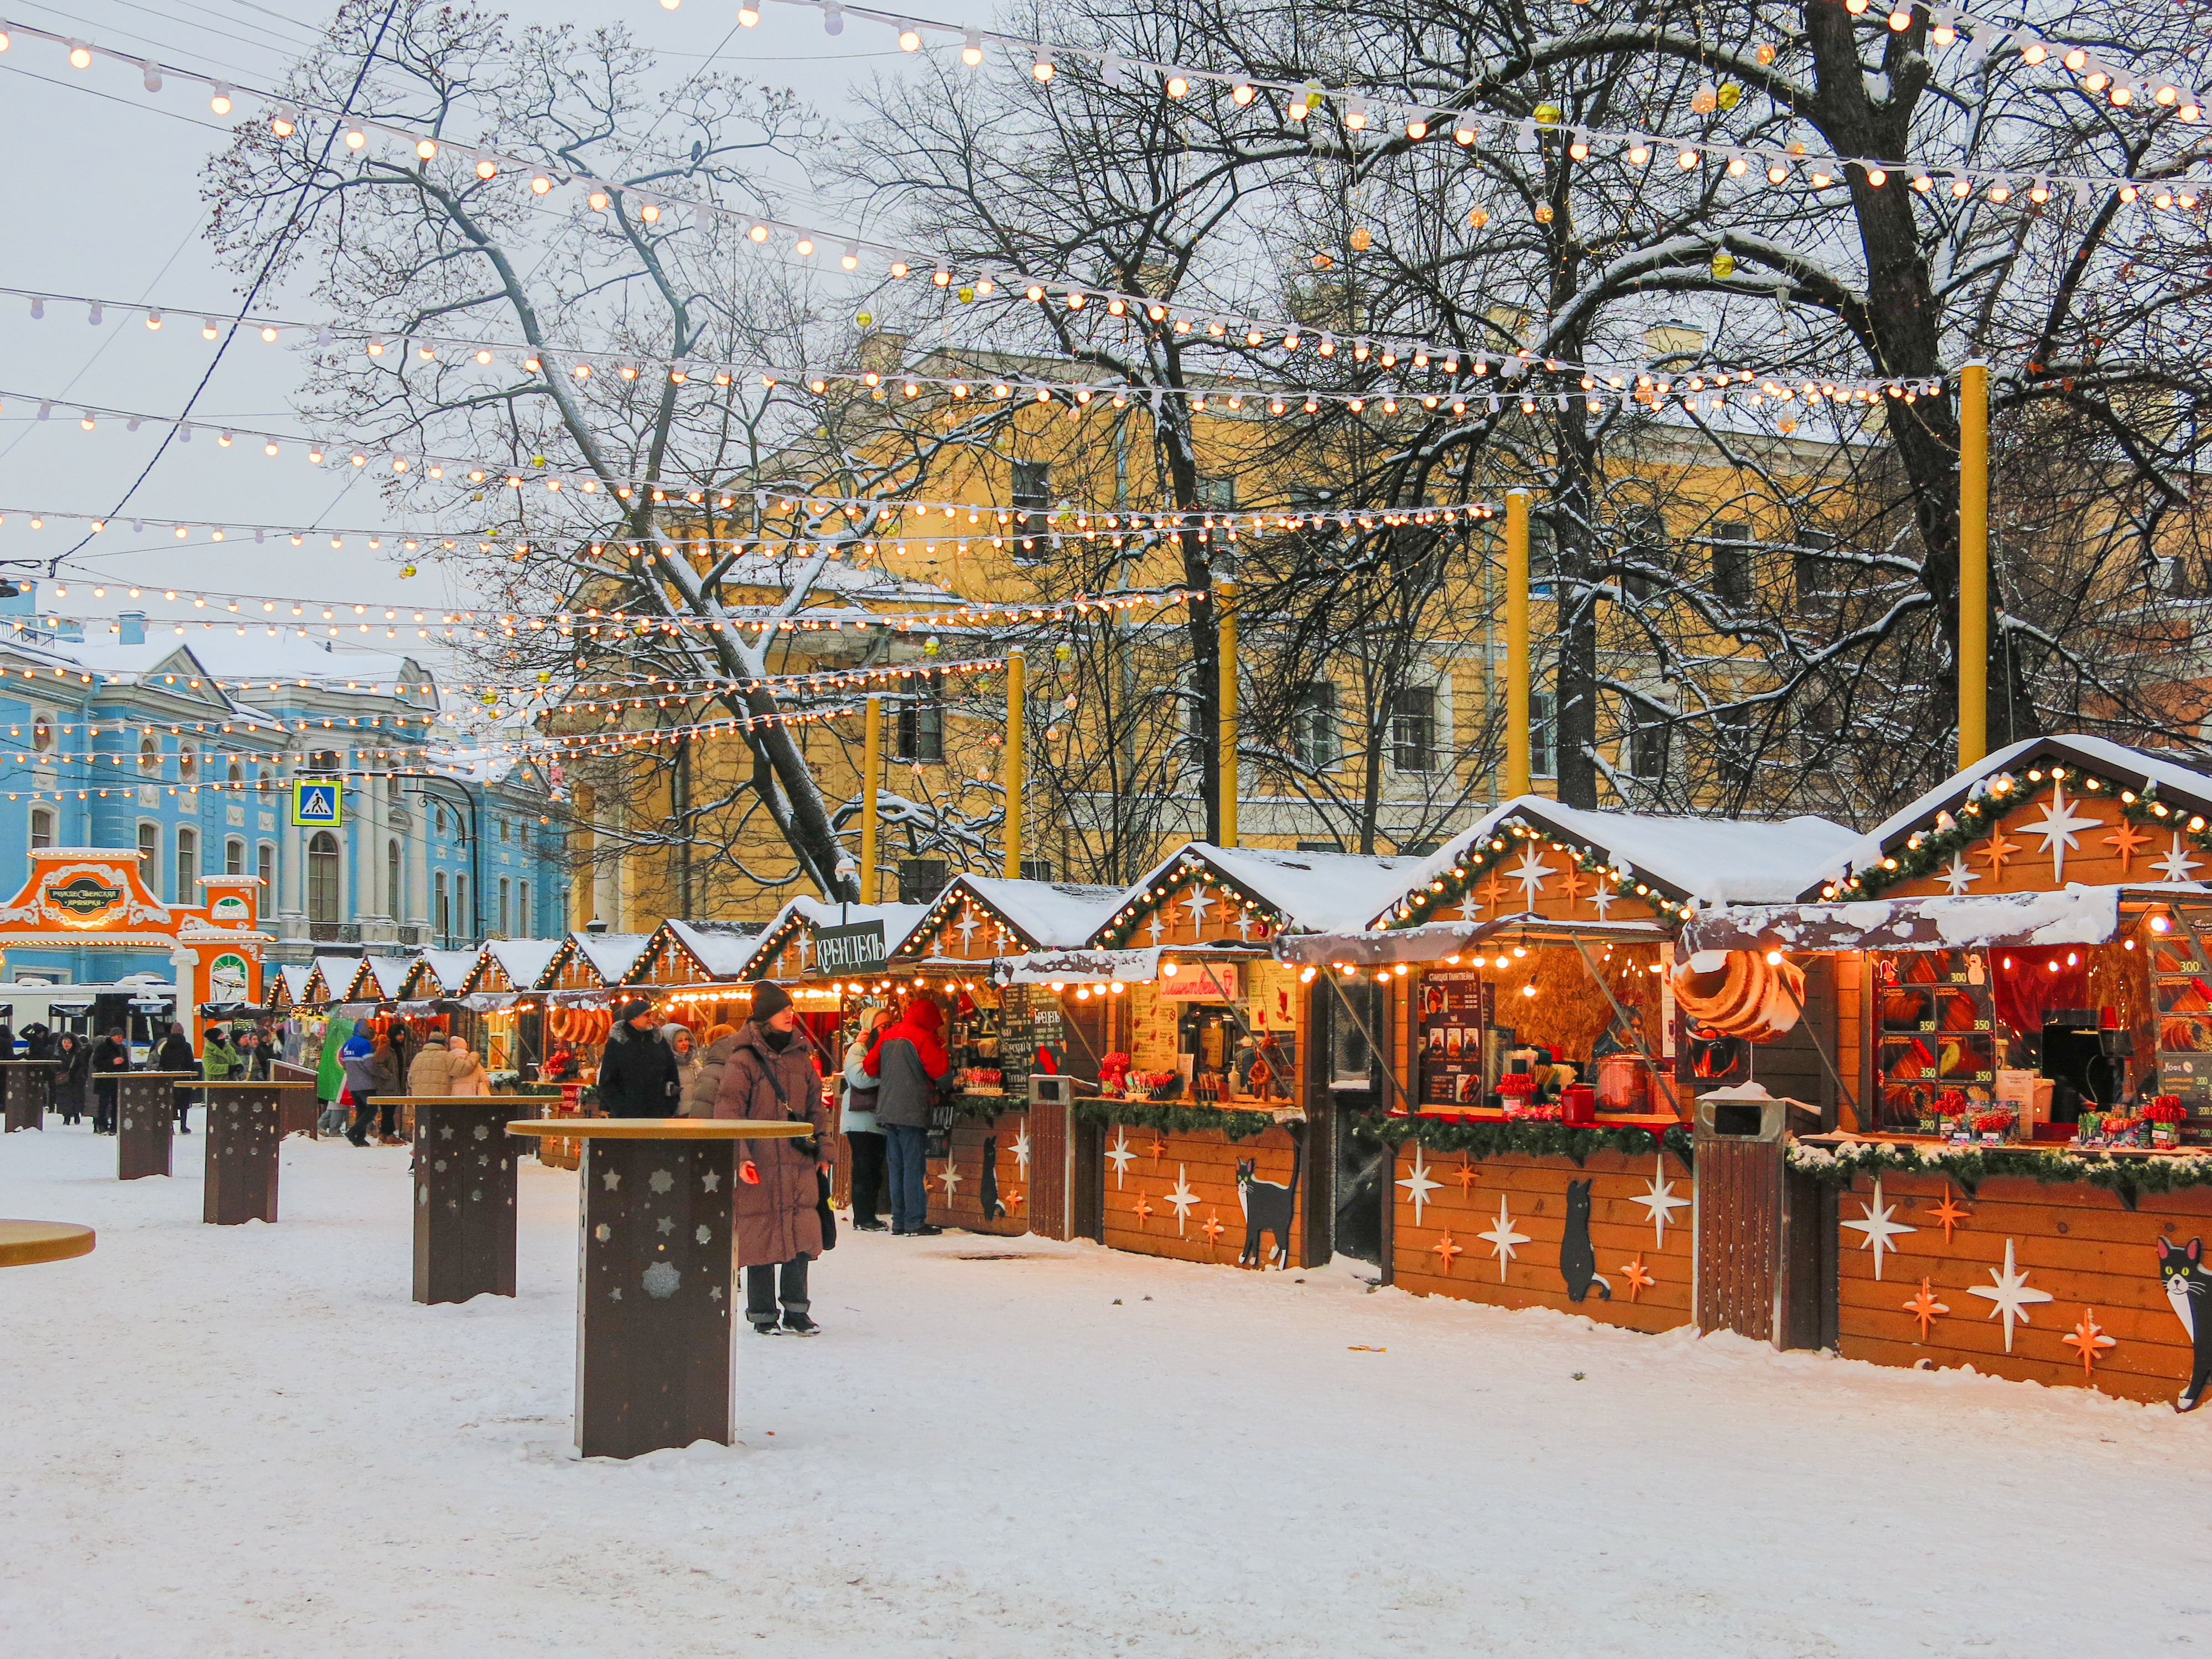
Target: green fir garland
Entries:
(2148, 809)
(1416, 908)
(1969, 1166)
(1170, 1117)
(1490, 1138)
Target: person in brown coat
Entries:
(770, 1074)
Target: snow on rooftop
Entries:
(1320, 892)
(831, 576)
(448, 967)
(1729, 860)
(296, 979)
(389, 973)
(611, 955)
(524, 961)
(338, 972)
(1056, 914)
(724, 948)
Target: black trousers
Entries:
(766, 1286)
(867, 1172)
(103, 1106)
(364, 1107)
(182, 1100)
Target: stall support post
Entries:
(1225, 622)
(871, 756)
(1973, 561)
(1015, 669)
(1517, 643)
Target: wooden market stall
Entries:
(2027, 1176)
(1538, 1073)
(501, 990)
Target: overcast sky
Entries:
(104, 200)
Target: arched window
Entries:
(262, 781)
(149, 755)
(323, 877)
(391, 788)
(187, 761)
(42, 733)
(236, 774)
(188, 866)
(391, 878)
(233, 857)
(438, 818)
(42, 826)
(442, 910)
(264, 866)
(149, 856)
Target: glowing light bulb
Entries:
(221, 102)
(972, 52)
(354, 138)
(910, 41)
(79, 57)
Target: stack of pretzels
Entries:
(1740, 994)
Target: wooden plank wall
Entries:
(1011, 1154)
(1851, 1051)
(2081, 1244)
(1739, 1229)
(1534, 1191)
(1139, 1217)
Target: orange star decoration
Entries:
(1212, 1228)
(1995, 850)
(1466, 1174)
(2088, 1339)
(1443, 1249)
(1950, 1212)
(2123, 839)
(1575, 884)
(1925, 1308)
(1159, 1150)
(1638, 1277)
(1012, 1198)
(1489, 889)
(1141, 1209)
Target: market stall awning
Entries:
(1086, 967)
(2071, 915)
(1436, 941)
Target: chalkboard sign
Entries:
(1016, 1046)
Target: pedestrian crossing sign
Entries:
(316, 803)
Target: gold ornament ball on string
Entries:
(1547, 115)
(1479, 217)
(1361, 237)
(406, 569)
(1543, 213)
(1723, 263)
(865, 319)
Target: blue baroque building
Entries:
(184, 744)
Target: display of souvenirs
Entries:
(1113, 1073)
(1457, 1007)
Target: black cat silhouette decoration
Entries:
(987, 1190)
(1269, 1207)
(1578, 1259)
(2189, 1288)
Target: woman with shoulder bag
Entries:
(770, 1074)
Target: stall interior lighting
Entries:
(2160, 924)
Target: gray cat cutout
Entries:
(1578, 1256)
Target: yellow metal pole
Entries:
(1225, 622)
(1973, 562)
(1015, 669)
(871, 757)
(1516, 642)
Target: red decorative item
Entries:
(749, 1172)
(1578, 1104)
(1517, 1085)
(2165, 1109)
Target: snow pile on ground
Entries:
(248, 1441)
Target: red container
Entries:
(1578, 1104)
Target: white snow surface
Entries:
(524, 961)
(248, 1441)
(448, 967)
(1057, 914)
(1319, 892)
(724, 948)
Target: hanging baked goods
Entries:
(1739, 993)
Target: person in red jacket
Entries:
(909, 1063)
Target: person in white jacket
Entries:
(862, 1136)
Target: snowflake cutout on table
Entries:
(1502, 1238)
(1660, 1202)
(1183, 1199)
(1418, 1185)
(1956, 875)
(1443, 1249)
(1878, 1224)
(1925, 1308)
(1119, 1155)
(2176, 866)
(1532, 872)
(2088, 1340)
(2009, 1294)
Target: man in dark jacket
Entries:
(175, 1055)
(113, 1054)
(908, 1062)
(638, 1073)
(38, 1041)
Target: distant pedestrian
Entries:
(356, 1056)
(909, 1063)
(637, 1072)
(37, 1041)
(73, 1058)
(716, 1044)
(175, 1055)
(252, 1057)
(864, 1139)
(332, 1083)
(679, 1039)
(771, 1075)
(386, 1083)
(465, 1074)
(110, 1055)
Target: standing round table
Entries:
(655, 1275)
(23, 1243)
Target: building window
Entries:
(1648, 734)
(1732, 740)
(1217, 492)
(524, 922)
(443, 915)
(391, 878)
(263, 781)
(391, 788)
(505, 895)
(323, 761)
(1313, 724)
(1032, 484)
(1036, 869)
(323, 877)
(464, 923)
(235, 775)
(149, 857)
(149, 755)
(42, 826)
(438, 818)
(264, 866)
(920, 733)
(188, 762)
(1732, 564)
(188, 865)
(1414, 729)
(505, 830)
(922, 880)
(42, 733)
(233, 857)
(1543, 736)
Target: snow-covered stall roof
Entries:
(724, 948)
(611, 956)
(799, 915)
(444, 972)
(1045, 915)
(294, 979)
(339, 974)
(1317, 892)
(524, 961)
(1724, 860)
(388, 975)
(2174, 778)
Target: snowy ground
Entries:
(248, 1441)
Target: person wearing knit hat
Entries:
(769, 999)
(780, 1203)
(863, 1136)
(637, 1072)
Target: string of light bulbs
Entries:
(653, 206)
(1950, 23)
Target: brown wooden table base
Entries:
(243, 1132)
(463, 1197)
(145, 1122)
(26, 1088)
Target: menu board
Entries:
(1458, 1006)
(1016, 1041)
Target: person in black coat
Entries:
(73, 1058)
(175, 1055)
(110, 1055)
(638, 1073)
(38, 1042)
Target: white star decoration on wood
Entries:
(1601, 899)
(1418, 1185)
(951, 1178)
(1659, 1201)
(1470, 907)
(1956, 875)
(1119, 1156)
(970, 922)
(2008, 1294)
(1502, 1238)
(1197, 904)
(1182, 1198)
(1156, 927)
(1021, 1151)
(2177, 864)
(1531, 873)
(2057, 827)
(1244, 923)
(1876, 1223)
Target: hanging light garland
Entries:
(1485, 856)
